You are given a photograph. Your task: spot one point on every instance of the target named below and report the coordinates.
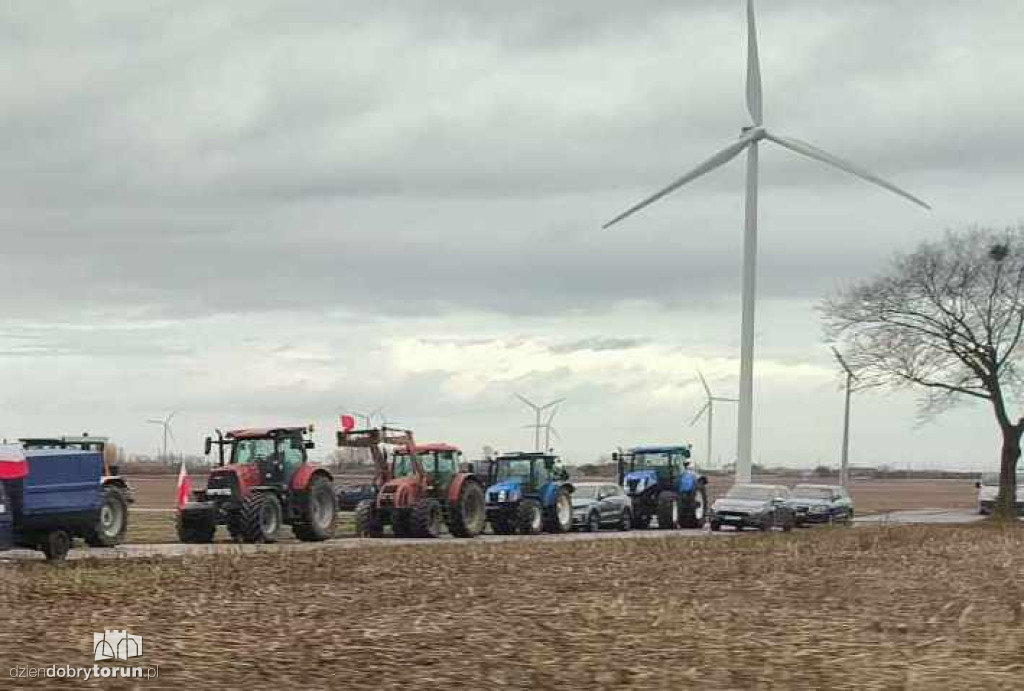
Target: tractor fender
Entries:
(551, 490)
(305, 474)
(687, 483)
(120, 483)
(460, 479)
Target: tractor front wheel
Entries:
(529, 517)
(558, 516)
(320, 512)
(367, 520)
(112, 524)
(426, 518)
(56, 545)
(260, 517)
(467, 517)
(696, 508)
(642, 521)
(401, 523)
(503, 525)
(668, 511)
(196, 527)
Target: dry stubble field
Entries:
(900, 607)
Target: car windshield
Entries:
(584, 492)
(812, 492)
(751, 492)
(252, 450)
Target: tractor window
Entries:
(513, 470)
(292, 452)
(403, 465)
(252, 450)
(654, 460)
(447, 464)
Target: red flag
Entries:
(184, 486)
(348, 423)
(12, 462)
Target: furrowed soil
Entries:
(923, 607)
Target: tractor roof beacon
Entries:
(112, 523)
(263, 480)
(528, 493)
(662, 487)
(422, 487)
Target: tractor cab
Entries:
(258, 457)
(527, 471)
(647, 466)
(436, 463)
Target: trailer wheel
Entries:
(367, 521)
(426, 518)
(261, 517)
(195, 529)
(56, 545)
(468, 515)
(112, 523)
(320, 512)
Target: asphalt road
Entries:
(136, 551)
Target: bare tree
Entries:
(947, 319)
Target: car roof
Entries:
(759, 485)
(804, 485)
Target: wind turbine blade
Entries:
(700, 414)
(722, 157)
(171, 416)
(705, 383)
(527, 401)
(555, 434)
(552, 403)
(817, 154)
(725, 400)
(753, 68)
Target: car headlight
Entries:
(819, 509)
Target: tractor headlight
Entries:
(502, 496)
(3, 509)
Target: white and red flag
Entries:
(184, 486)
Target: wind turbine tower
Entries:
(844, 464)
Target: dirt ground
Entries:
(910, 607)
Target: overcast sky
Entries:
(273, 212)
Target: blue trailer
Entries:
(54, 497)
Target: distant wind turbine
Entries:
(844, 465)
(549, 429)
(166, 424)
(748, 142)
(709, 408)
(538, 409)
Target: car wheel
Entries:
(593, 522)
(716, 526)
(626, 523)
(766, 524)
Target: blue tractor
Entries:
(528, 493)
(661, 484)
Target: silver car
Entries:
(597, 505)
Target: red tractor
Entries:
(422, 487)
(263, 480)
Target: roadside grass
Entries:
(917, 607)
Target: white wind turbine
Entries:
(748, 141)
(166, 424)
(709, 408)
(538, 426)
(549, 429)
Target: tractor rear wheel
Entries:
(112, 523)
(558, 516)
(260, 517)
(320, 511)
(367, 521)
(695, 508)
(529, 518)
(668, 511)
(196, 527)
(426, 518)
(642, 521)
(401, 523)
(466, 518)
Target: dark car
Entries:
(821, 504)
(753, 506)
(349, 496)
(596, 505)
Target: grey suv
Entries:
(596, 505)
